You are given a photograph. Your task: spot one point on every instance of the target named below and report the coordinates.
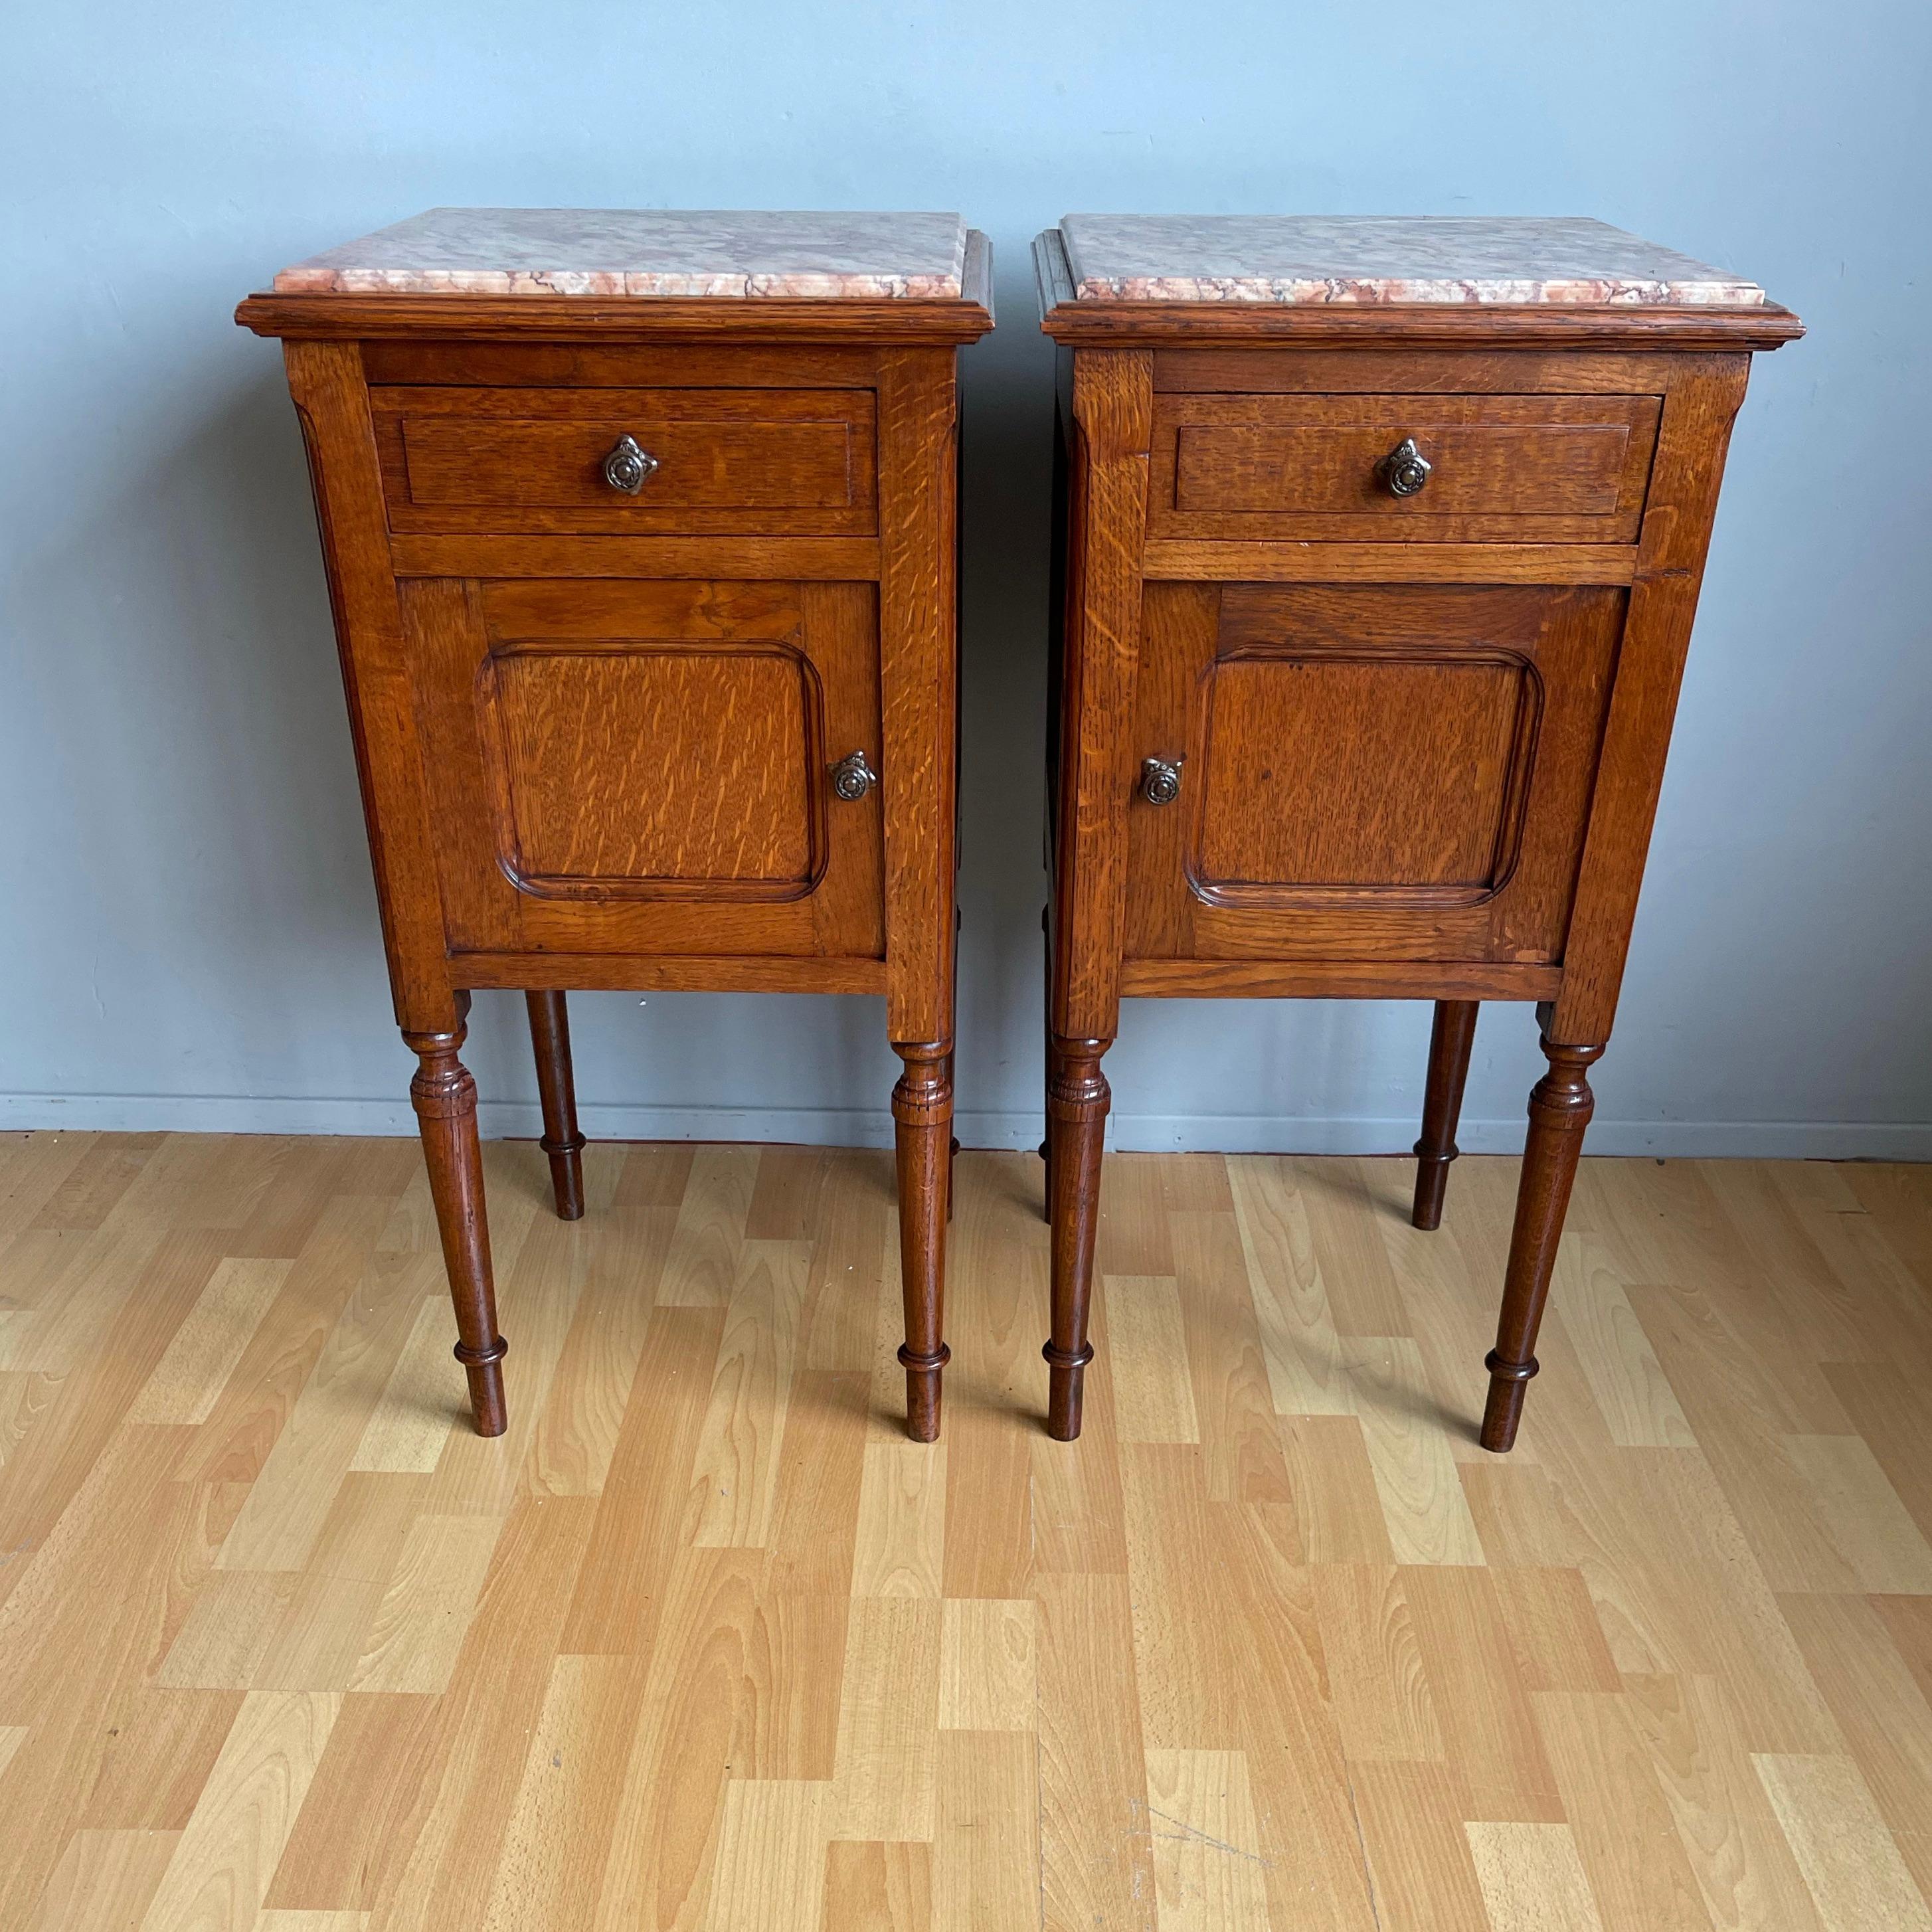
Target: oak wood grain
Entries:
(500, 555)
(1193, 560)
(729, 461)
(1532, 469)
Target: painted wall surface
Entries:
(188, 929)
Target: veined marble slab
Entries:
(615, 251)
(1311, 259)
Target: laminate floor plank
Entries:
(985, 1868)
(1849, 1861)
(227, 1853)
(1741, 1858)
(1421, 1873)
(704, 1644)
(104, 1878)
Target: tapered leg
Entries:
(1449, 1039)
(445, 1096)
(1560, 1105)
(952, 1139)
(923, 1113)
(1077, 1099)
(1052, 1063)
(550, 1035)
(1046, 1147)
(952, 1146)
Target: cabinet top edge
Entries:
(1337, 310)
(744, 255)
(534, 313)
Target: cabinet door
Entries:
(622, 766)
(1383, 771)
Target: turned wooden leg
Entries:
(1046, 1147)
(550, 1035)
(922, 1112)
(1560, 1105)
(1449, 1039)
(1077, 1099)
(952, 1024)
(952, 1146)
(1052, 1062)
(445, 1096)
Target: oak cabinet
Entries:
(1379, 544)
(640, 531)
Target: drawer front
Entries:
(647, 767)
(1375, 772)
(718, 462)
(1499, 468)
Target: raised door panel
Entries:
(588, 749)
(1367, 771)
(643, 767)
(1297, 753)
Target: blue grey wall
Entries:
(187, 932)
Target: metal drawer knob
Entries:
(1406, 469)
(629, 466)
(1160, 781)
(852, 778)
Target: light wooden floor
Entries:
(703, 1643)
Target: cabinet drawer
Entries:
(1533, 469)
(721, 462)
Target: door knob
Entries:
(1406, 469)
(629, 466)
(852, 778)
(1160, 780)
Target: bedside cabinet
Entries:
(1380, 542)
(639, 533)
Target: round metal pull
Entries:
(852, 778)
(1160, 781)
(629, 466)
(1406, 469)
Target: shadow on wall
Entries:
(1006, 414)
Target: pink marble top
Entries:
(1499, 259)
(616, 251)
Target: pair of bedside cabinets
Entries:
(1377, 547)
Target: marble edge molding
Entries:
(1648, 275)
(1381, 291)
(339, 271)
(303, 280)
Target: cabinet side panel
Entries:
(1692, 438)
(1113, 412)
(918, 680)
(326, 382)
